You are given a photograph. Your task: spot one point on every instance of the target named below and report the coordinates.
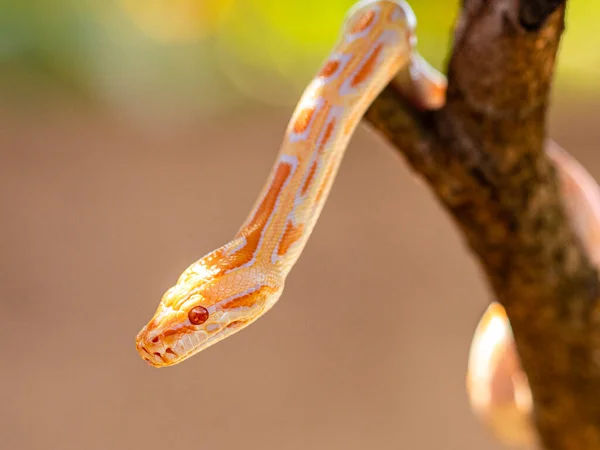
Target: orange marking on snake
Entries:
(265, 209)
(309, 178)
(175, 330)
(290, 235)
(326, 137)
(252, 232)
(247, 300)
(329, 69)
(367, 68)
(348, 127)
(245, 254)
(363, 22)
(325, 183)
(303, 119)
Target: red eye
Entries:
(198, 315)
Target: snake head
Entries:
(205, 306)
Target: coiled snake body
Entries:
(234, 285)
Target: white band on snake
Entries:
(231, 287)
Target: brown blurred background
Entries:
(134, 138)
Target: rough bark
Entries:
(483, 156)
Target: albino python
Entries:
(234, 285)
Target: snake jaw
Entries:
(170, 346)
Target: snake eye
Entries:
(198, 315)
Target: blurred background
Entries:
(134, 137)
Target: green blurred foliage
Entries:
(206, 55)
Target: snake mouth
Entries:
(157, 358)
(236, 324)
(159, 354)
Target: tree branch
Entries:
(483, 156)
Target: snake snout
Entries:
(152, 349)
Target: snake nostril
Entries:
(155, 340)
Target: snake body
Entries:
(234, 285)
